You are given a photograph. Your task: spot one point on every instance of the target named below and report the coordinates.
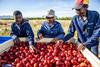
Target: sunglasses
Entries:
(77, 9)
(49, 17)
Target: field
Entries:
(35, 24)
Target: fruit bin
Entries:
(90, 57)
(5, 43)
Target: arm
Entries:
(12, 33)
(61, 32)
(71, 31)
(30, 34)
(40, 31)
(96, 33)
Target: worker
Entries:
(22, 28)
(87, 25)
(51, 28)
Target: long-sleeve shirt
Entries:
(54, 30)
(22, 30)
(88, 31)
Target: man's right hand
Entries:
(32, 48)
(17, 40)
(81, 46)
(40, 36)
(59, 42)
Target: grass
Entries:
(35, 24)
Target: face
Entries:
(18, 18)
(81, 11)
(50, 19)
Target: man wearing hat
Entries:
(87, 25)
(51, 28)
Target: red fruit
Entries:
(57, 58)
(65, 52)
(30, 57)
(68, 58)
(62, 54)
(46, 65)
(75, 66)
(32, 62)
(67, 63)
(54, 54)
(42, 49)
(41, 65)
(17, 53)
(5, 57)
(14, 64)
(26, 48)
(86, 61)
(74, 62)
(58, 62)
(74, 53)
(80, 59)
(18, 65)
(56, 51)
(36, 56)
(48, 54)
(17, 60)
(69, 52)
(74, 58)
(79, 55)
(50, 57)
(22, 54)
(83, 64)
(65, 55)
(63, 58)
(28, 65)
(27, 54)
(64, 46)
(21, 48)
(36, 65)
(62, 65)
(89, 65)
(42, 53)
(53, 61)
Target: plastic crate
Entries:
(4, 39)
(5, 43)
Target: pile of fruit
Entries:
(66, 55)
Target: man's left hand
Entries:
(81, 46)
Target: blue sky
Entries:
(38, 8)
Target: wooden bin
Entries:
(88, 54)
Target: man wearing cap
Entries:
(51, 28)
(87, 25)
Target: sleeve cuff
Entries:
(14, 37)
(31, 43)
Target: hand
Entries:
(55, 40)
(81, 46)
(32, 48)
(72, 40)
(59, 42)
(17, 40)
(40, 36)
